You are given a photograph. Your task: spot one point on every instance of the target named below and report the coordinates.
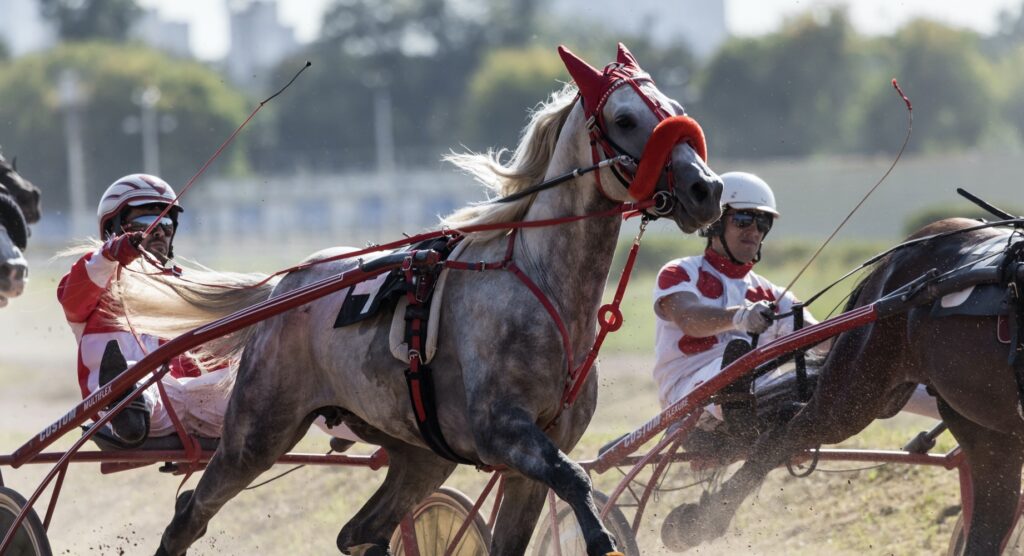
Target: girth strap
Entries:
(1015, 292)
(419, 282)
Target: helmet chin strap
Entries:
(725, 246)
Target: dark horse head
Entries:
(24, 192)
(19, 206)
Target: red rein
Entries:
(669, 133)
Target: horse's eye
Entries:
(625, 121)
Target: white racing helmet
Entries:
(132, 191)
(745, 191)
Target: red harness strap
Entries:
(610, 315)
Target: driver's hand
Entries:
(124, 248)
(754, 318)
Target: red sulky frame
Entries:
(620, 455)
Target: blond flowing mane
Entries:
(167, 306)
(527, 167)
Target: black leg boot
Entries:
(131, 425)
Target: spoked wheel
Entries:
(1014, 547)
(437, 520)
(30, 539)
(570, 536)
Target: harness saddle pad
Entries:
(364, 300)
(982, 299)
(399, 348)
(386, 292)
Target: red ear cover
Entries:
(625, 57)
(669, 133)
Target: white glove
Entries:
(753, 319)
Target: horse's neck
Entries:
(570, 262)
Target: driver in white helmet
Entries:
(130, 206)
(704, 302)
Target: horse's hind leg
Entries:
(252, 442)
(994, 460)
(523, 501)
(508, 435)
(413, 473)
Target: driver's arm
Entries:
(694, 318)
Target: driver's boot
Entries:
(131, 425)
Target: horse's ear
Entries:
(625, 57)
(586, 77)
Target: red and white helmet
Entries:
(745, 191)
(131, 191)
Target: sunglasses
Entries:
(744, 218)
(142, 223)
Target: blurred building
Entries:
(23, 29)
(698, 24)
(258, 42)
(169, 36)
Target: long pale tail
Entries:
(168, 306)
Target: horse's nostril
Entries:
(700, 191)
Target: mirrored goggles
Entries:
(142, 223)
(744, 218)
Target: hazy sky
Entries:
(744, 17)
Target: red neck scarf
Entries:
(722, 264)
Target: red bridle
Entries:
(596, 88)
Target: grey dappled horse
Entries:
(19, 206)
(871, 371)
(500, 365)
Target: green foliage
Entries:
(1012, 105)
(964, 209)
(947, 79)
(79, 20)
(413, 59)
(206, 111)
(508, 82)
(784, 94)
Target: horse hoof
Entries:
(680, 530)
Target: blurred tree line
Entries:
(445, 74)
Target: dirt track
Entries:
(879, 511)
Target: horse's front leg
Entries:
(506, 434)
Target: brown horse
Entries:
(869, 374)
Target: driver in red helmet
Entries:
(106, 347)
(130, 206)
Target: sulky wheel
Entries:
(570, 536)
(30, 539)
(437, 520)
(1014, 547)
